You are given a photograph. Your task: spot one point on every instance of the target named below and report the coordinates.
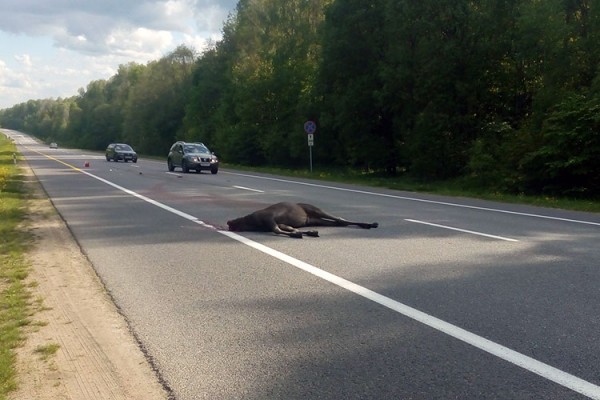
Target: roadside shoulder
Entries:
(97, 357)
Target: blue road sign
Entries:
(310, 127)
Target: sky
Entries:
(52, 48)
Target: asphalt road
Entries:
(450, 298)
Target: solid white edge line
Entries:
(462, 230)
(544, 370)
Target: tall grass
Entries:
(14, 295)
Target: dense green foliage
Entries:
(502, 93)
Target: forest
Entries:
(504, 94)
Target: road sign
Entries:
(310, 127)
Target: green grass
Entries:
(14, 294)
(47, 350)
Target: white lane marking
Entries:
(252, 190)
(462, 230)
(544, 370)
(577, 221)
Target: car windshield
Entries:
(123, 147)
(196, 148)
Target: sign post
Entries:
(310, 128)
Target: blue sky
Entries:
(51, 48)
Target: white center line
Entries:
(252, 190)
(462, 230)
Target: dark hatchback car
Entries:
(188, 156)
(120, 151)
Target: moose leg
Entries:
(324, 219)
(293, 232)
(282, 229)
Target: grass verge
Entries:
(15, 297)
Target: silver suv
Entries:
(120, 151)
(188, 156)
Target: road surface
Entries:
(450, 298)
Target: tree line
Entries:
(504, 94)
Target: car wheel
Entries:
(107, 158)
(184, 167)
(135, 160)
(170, 165)
(214, 171)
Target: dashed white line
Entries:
(252, 190)
(462, 230)
(577, 221)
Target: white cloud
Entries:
(24, 59)
(52, 48)
(139, 43)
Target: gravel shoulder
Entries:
(98, 358)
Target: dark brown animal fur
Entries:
(284, 219)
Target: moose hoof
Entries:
(312, 233)
(296, 235)
(374, 225)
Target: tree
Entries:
(155, 106)
(266, 89)
(355, 111)
(566, 162)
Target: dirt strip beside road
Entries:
(98, 358)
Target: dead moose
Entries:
(284, 219)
